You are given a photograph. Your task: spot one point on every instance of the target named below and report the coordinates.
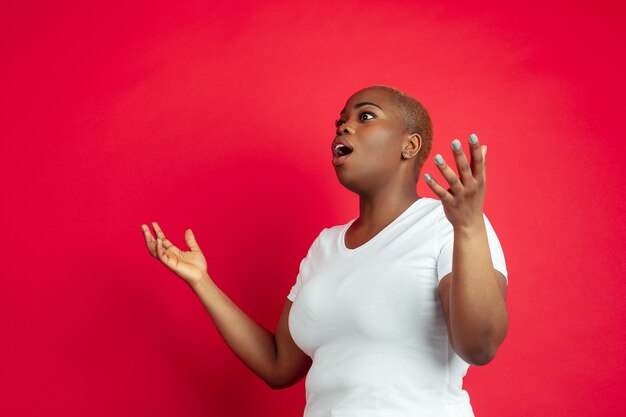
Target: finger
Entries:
(166, 243)
(449, 175)
(441, 192)
(463, 166)
(484, 152)
(150, 242)
(158, 230)
(160, 252)
(147, 234)
(478, 158)
(191, 241)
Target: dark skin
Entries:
(381, 171)
(375, 171)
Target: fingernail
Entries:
(438, 159)
(473, 139)
(485, 150)
(427, 177)
(456, 144)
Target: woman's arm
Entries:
(473, 294)
(275, 358)
(473, 298)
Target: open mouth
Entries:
(342, 150)
(341, 153)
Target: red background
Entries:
(219, 117)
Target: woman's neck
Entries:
(377, 211)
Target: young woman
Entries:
(388, 310)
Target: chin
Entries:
(352, 184)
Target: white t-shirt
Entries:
(371, 320)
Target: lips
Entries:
(341, 147)
(341, 150)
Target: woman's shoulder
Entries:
(425, 206)
(333, 231)
(429, 202)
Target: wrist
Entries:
(473, 228)
(203, 283)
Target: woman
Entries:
(389, 309)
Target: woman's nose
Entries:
(344, 129)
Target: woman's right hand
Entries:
(190, 266)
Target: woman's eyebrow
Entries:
(364, 103)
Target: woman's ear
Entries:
(413, 145)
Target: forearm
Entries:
(478, 316)
(253, 344)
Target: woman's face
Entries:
(371, 125)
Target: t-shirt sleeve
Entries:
(296, 287)
(445, 245)
(303, 264)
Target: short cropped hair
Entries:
(415, 119)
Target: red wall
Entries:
(219, 118)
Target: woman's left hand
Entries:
(463, 201)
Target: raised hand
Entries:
(463, 201)
(191, 265)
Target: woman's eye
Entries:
(366, 114)
(362, 117)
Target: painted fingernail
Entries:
(456, 144)
(473, 139)
(438, 159)
(427, 177)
